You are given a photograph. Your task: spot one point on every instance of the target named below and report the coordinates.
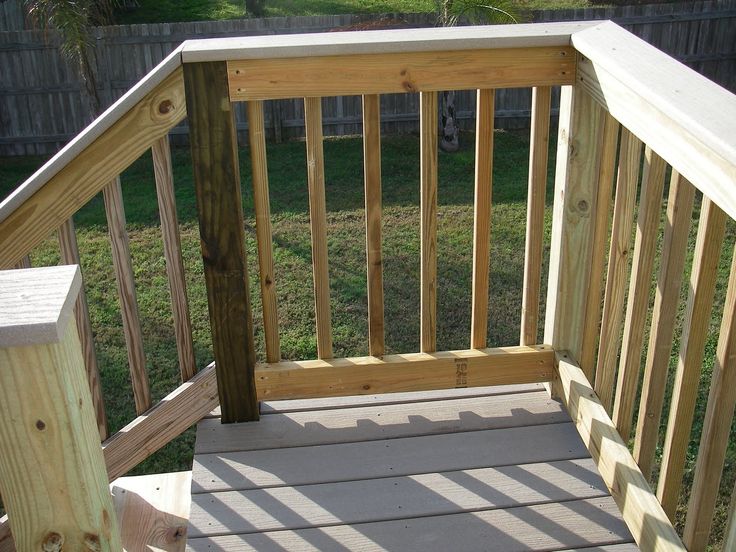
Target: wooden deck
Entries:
(498, 468)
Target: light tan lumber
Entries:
(153, 511)
(25, 262)
(640, 285)
(382, 41)
(309, 465)
(52, 471)
(78, 172)
(640, 509)
(264, 235)
(216, 168)
(618, 267)
(594, 302)
(409, 372)
(573, 219)
(123, 265)
(672, 264)
(343, 75)
(428, 223)
(51, 291)
(484, 119)
(346, 425)
(318, 224)
(684, 117)
(690, 360)
(539, 527)
(374, 257)
(716, 428)
(536, 196)
(164, 177)
(178, 410)
(69, 251)
(385, 499)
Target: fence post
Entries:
(52, 471)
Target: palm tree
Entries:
(450, 13)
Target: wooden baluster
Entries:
(618, 262)
(484, 120)
(428, 220)
(574, 214)
(164, 176)
(538, 157)
(708, 244)
(606, 176)
(25, 262)
(318, 222)
(259, 166)
(640, 285)
(374, 259)
(674, 249)
(122, 263)
(217, 184)
(716, 428)
(69, 250)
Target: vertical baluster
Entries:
(640, 285)
(428, 222)
(716, 428)
(618, 261)
(214, 149)
(164, 176)
(318, 221)
(113, 196)
(674, 249)
(25, 262)
(69, 250)
(257, 138)
(485, 112)
(372, 172)
(708, 244)
(538, 154)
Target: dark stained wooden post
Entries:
(217, 184)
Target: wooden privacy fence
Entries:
(41, 108)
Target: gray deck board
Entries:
(504, 470)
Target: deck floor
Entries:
(498, 468)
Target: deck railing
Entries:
(618, 96)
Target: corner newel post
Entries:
(214, 149)
(52, 471)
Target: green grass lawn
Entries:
(292, 254)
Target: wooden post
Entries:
(221, 228)
(52, 470)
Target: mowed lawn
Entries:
(346, 240)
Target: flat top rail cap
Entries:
(382, 42)
(36, 304)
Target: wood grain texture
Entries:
(177, 411)
(594, 302)
(221, 228)
(716, 428)
(69, 252)
(707, 253)
(536, 196)
(318, 225)
(164, 177)
(640, 286)
(46, 202)
(339, 75)
(641, 510)
(52, 470)
(664, 312)
(123, 266)
(576, 178)
(428, 222)
(618, 267)
(373, 203)
(25, 262)
(264, 235)
(485, 112)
